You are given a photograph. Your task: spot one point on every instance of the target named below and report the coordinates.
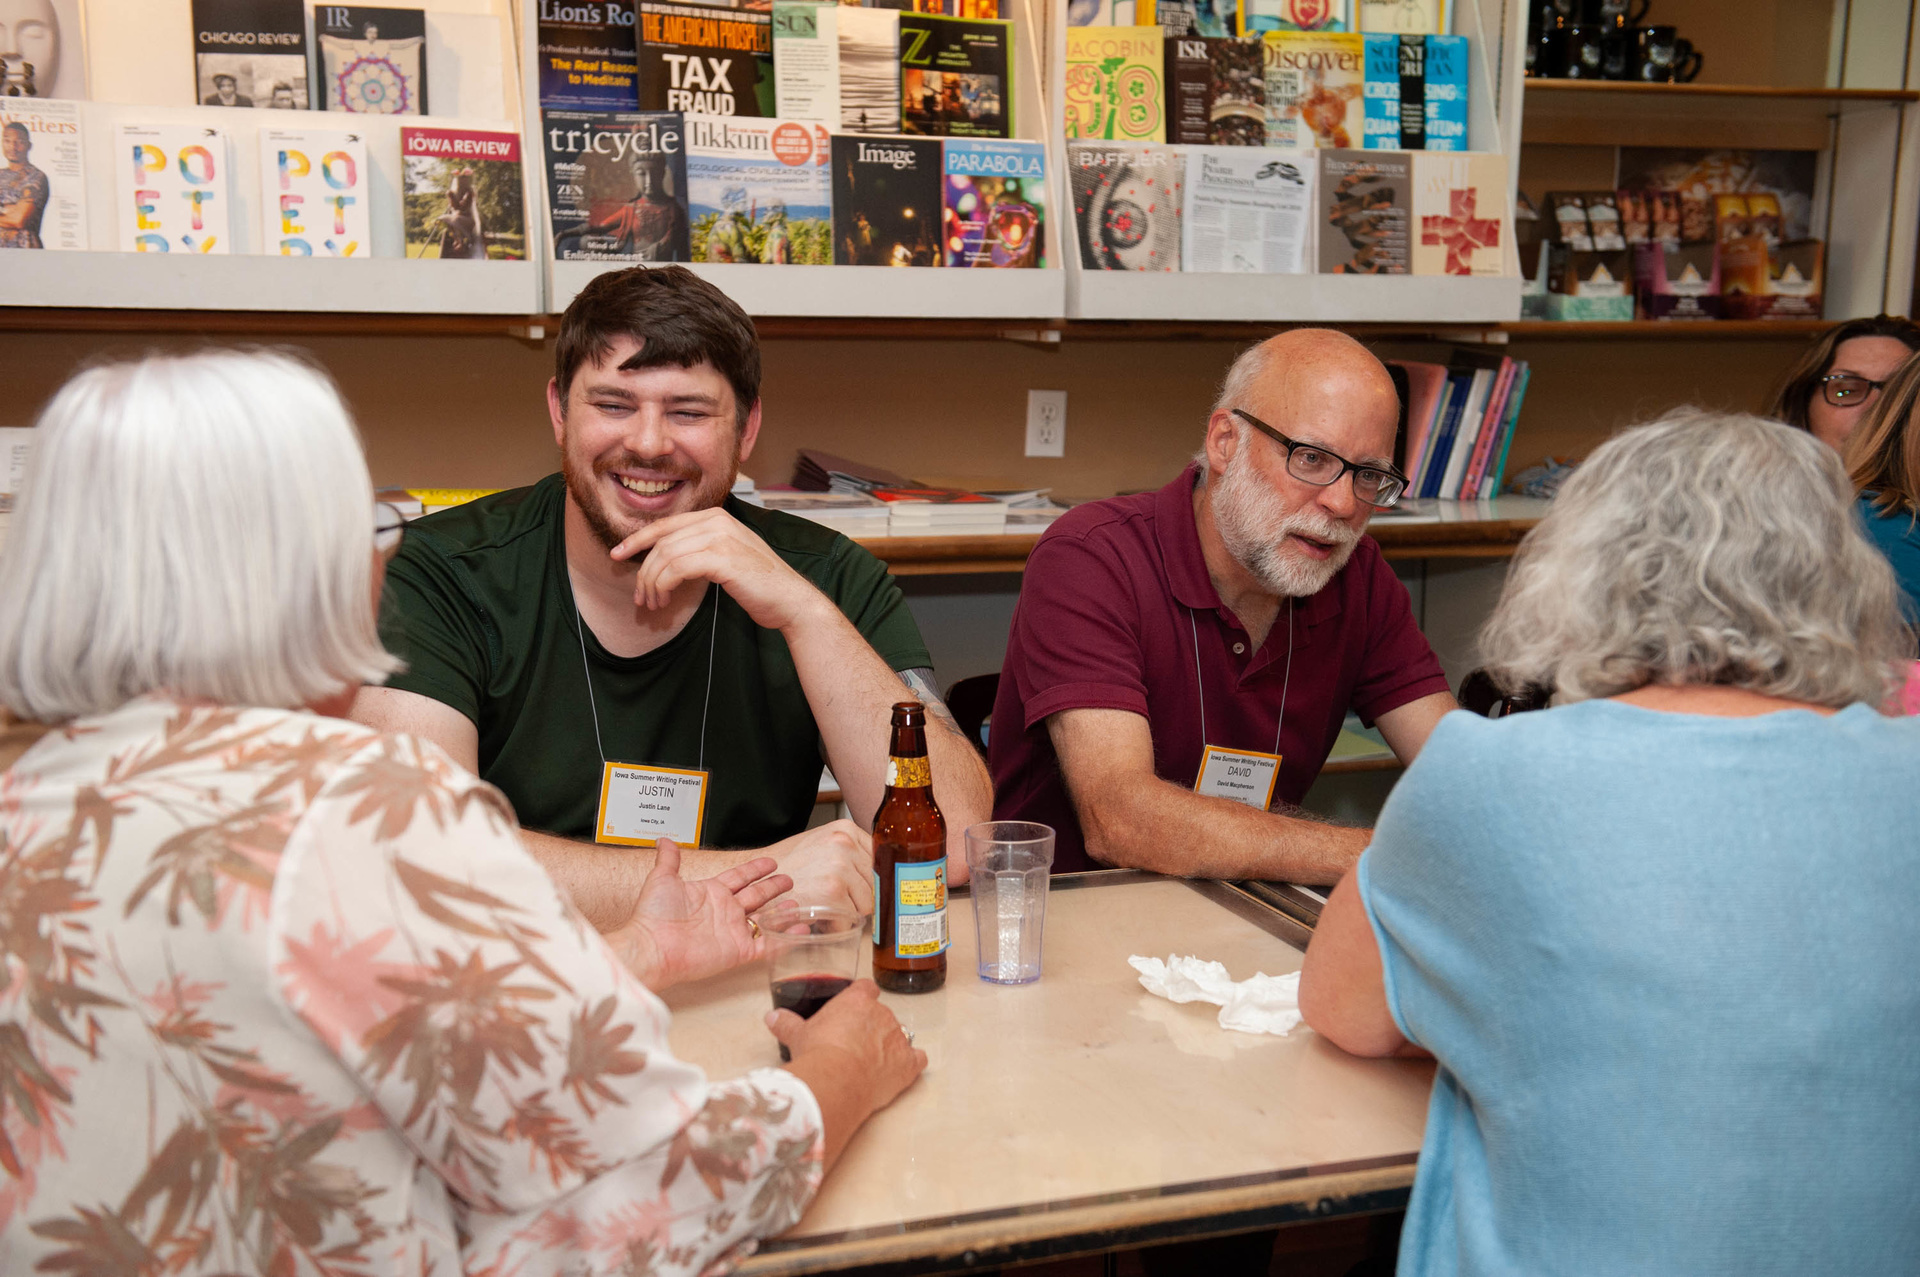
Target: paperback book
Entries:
(955, 76)
(1115, 86)
(994, 204)
(372, 61)
(175, 188)
(462, 195)
(806, 61)
(1459, 208)
(44, 56)
(760, 191)
(43, 188)
(886, 202)
(586, 55)
(1315, 85)
(617, 185)
(1260, 16)
(1126, 205)
(1246, 212)
(1366, 202)
(869, 70)
(313, 194)
(251, 53)
(709, 61)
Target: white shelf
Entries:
(854, 291)
(1291, 298)
(176, 281)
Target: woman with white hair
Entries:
(282, 994)
(1660, 936)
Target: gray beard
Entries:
(1254, 524)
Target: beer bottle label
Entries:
(909, 773)
(920, 909)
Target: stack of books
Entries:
(942, 512)
(1460, 420)
(852, 514)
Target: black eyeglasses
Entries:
(1310, 463)
(1847, 389)
(388, 527)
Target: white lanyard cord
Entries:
(1286, 677)
(586, 672)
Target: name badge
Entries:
(641, 805)
(1242, 775)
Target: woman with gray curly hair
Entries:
(1578, 912)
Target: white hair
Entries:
(200, 525)
(1702, 548)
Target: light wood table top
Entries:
(1080, 1112)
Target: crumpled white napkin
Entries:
(1263, 1004)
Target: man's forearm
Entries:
(604, 881)
(1161, 827)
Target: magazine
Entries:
(1315, 83)
(1246, 212)
(1115, 83)
(869, 70)
(372, 61)
(617, 185)
(954, 76)
(1126, 205)
(1366, 202)
(174, 184)
(759, 191)
(994, 204)
(806, 61)
(702, 60)
(251, 53)
(586, 56)
(42, 55)
(44, 184)
(313, 194)
(1459, 211)
(462, 194)
(886, 202)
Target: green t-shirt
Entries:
(477, 603)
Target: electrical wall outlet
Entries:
(1046, 423)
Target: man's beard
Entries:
(1254, 523)
(584, 486)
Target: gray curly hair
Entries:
(1704, 547)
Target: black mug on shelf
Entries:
(1616, 60)
(1661, 56)
(1580, 51)
(1618, 15)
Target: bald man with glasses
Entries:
(1181, 661)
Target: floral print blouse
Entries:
(282, 995)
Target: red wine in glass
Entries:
(803, 995)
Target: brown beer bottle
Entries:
(909, 865)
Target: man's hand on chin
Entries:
(712, 545)
(830, 864)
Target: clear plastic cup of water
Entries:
(1008, 863)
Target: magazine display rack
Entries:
(1495, 32)
(862, 291)
(127, 78)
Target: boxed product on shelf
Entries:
(1591, 286)
(1127, 205)
(759, 191)
(1763, 280)
(956, 76)
(48, 174)
(1316, 84)
(1677, 281)
(175, 189)
(314, 195)
(993, 203)
(617, 185)
(1366, 208)
(1246, 212)
(586, 56)
(1114, 85)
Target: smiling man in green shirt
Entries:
(629, 610)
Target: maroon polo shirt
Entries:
(1116, 599)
